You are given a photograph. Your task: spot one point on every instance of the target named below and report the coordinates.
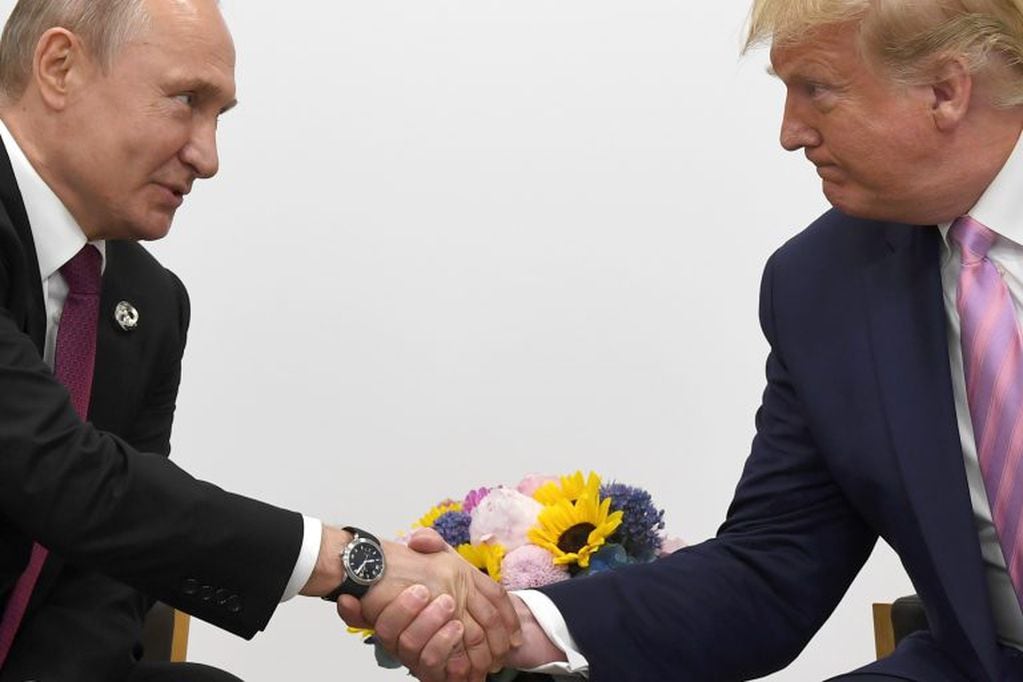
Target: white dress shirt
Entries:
(57, 239)
(1000, 209)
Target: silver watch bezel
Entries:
(346, 557)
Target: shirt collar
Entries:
(56, 235)
(1000, 207)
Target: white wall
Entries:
(454, 241)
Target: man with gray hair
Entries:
(108, 115)
(894, 398)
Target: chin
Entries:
(151, 229)
(856, 207)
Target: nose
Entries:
(796, 131)
(200, 152)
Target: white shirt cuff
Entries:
(553, 623)
(311, 539)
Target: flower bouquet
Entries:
(547, 529)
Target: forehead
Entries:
(831, 48)
(186, 40)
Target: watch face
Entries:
(365, 561)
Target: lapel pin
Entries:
(126, 316)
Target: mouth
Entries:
(174, 194)
(828, 171)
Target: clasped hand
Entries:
(441, 617)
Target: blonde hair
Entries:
(104, 26)
(911, 38)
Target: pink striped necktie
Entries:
(74, 361)
(993, 363)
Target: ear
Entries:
(951, 94)
(59, 64)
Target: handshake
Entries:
(435, 612)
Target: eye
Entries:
(186, 98)
(815, 90)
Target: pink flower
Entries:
(532, 482)
(670, 546)
(504, 516)
(473, 499)
(530, 566)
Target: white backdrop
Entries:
(455, 241)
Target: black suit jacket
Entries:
(856, 438)
(112, 509)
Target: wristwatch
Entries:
(363, 561)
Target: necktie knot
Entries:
(974, 239)
(83, 272)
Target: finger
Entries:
(477, 649)
(417, 634)
(459, 666)
(489, 619)
(397, 615)
(426, 541)
(444, 646)
(350, 610)
(499, 599)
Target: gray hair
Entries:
(104, 26)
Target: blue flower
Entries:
(453, 526)
(608, 558)
(642, 522)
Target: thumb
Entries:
(426, 541)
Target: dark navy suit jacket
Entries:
(856, 438)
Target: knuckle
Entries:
(385, 632)
(407, 643)
(432, 659)
(489, 617)
(475, 637)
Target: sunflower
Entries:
(436, 512)
(571, 488)
(365, 633)
(574, 531)
(486, 556)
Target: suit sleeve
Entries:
(746, 602)
(100, 504)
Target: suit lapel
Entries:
(10, 196)
(908, 330)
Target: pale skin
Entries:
(419, 631)
(122, 147)
(869, 138)
(480, 625)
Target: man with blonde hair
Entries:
(894, 398)
(108, 116)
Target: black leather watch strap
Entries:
(356, 589)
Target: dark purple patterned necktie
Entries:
(74, 361)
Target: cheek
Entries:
(154, 143)
(883, 155)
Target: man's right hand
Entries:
(422, 634)
(464, 633)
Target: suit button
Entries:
(206, 592)
(222, 596)
(233, 604)
(190, 587)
